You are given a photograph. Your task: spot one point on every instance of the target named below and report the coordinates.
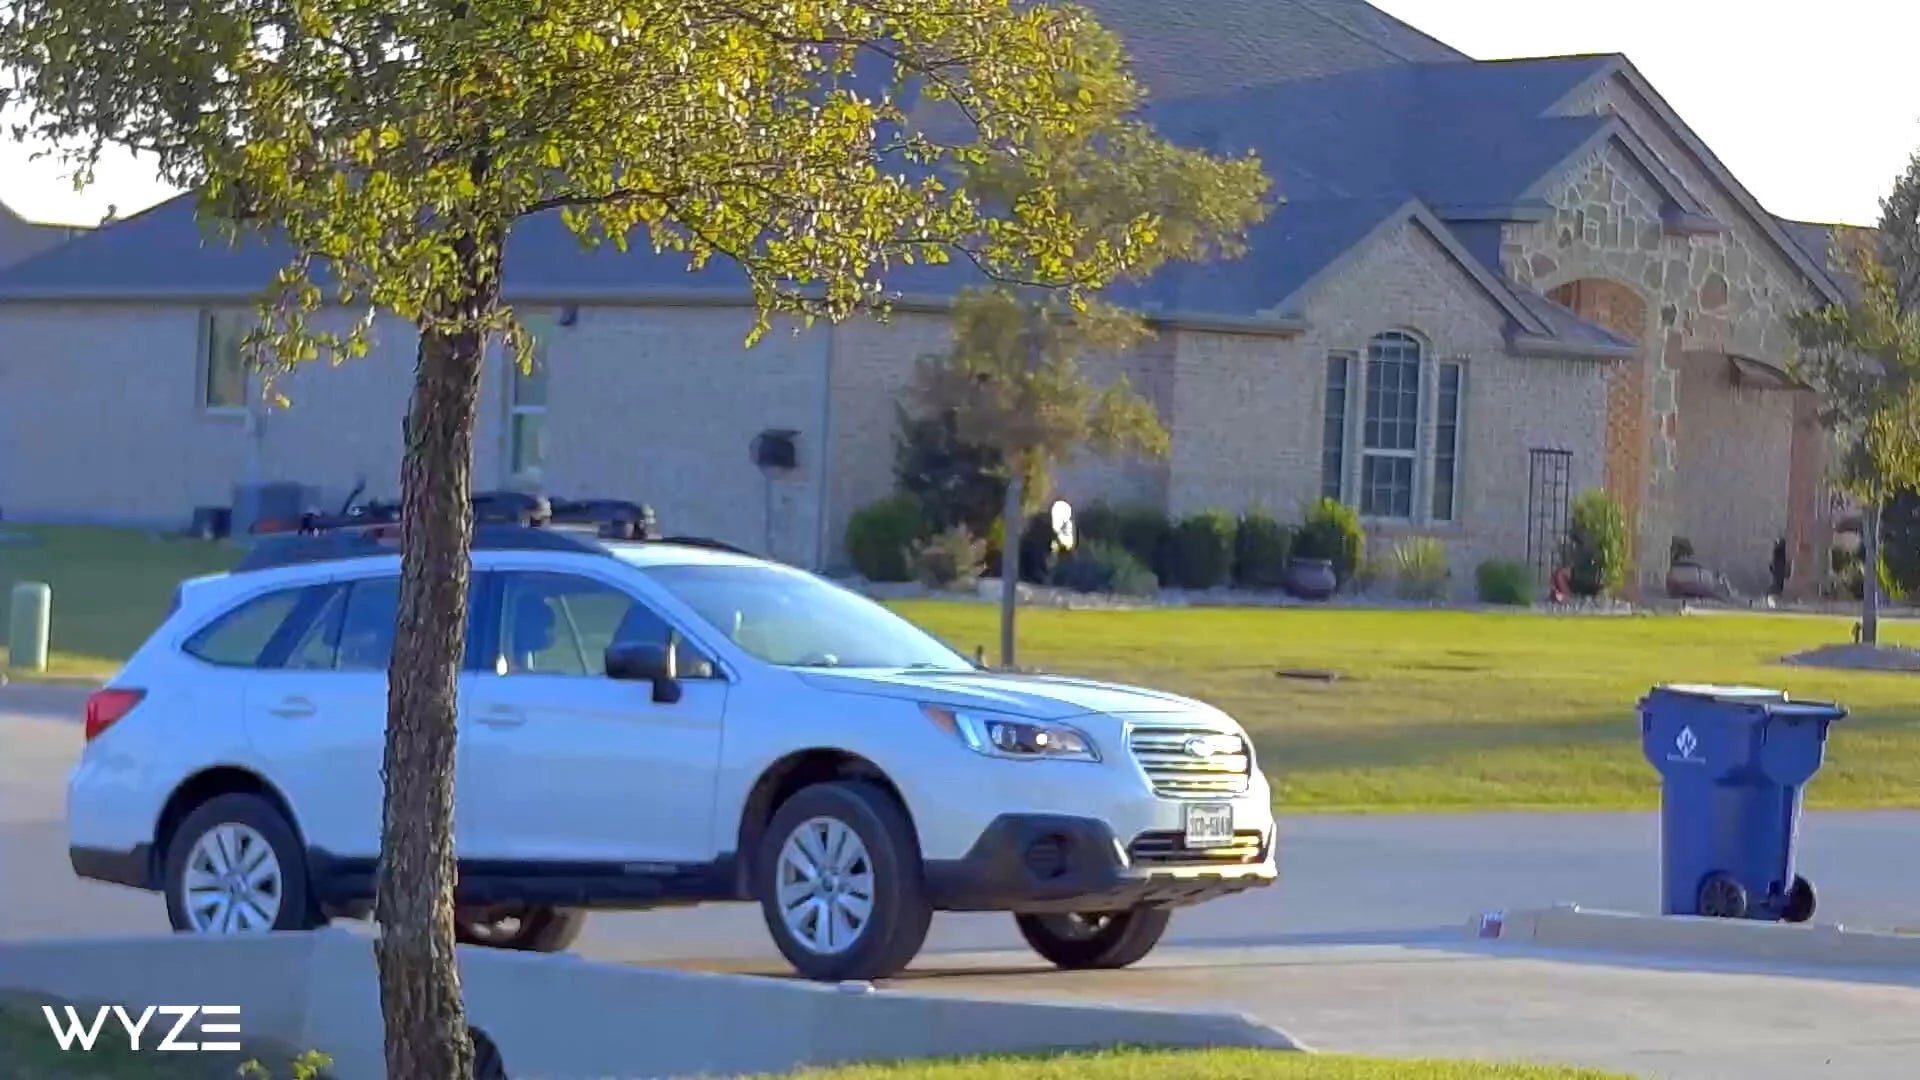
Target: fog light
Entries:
(1047, 856)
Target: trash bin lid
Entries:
(1756, 695)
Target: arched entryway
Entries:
(1619, 309)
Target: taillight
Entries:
(106, 707)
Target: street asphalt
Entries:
(1360, 947)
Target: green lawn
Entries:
(1431, 710)
(1200, 1065)
(110, 586)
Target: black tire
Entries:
(537, 929)
(899, 915)
(1100, 941)
(296, 911)
(1721, 897)
(1801, 900)
(487, 1062)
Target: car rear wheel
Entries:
(1109, 939)
(526, 929)
(839, 878)
(233, 866)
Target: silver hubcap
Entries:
(825, 886)
(232, 881)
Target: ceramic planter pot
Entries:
(1688, 580)
(1311, 579)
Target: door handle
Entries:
(501, 716)
(294, 708)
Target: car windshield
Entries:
(794, 619)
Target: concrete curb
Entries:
(1572, 927)
(558, 1017)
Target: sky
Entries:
(1814, 107)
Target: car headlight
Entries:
(1013, 737)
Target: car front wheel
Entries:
(839, 878)
(1113, 939)
(234, 867)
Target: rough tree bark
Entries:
(1870, 572)
(1012, 532)
(420, 997)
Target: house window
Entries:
(1333, 429)
(223, 365)
(527, 407)
(1446, 441)
(1390, 431)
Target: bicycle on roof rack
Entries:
(503, 520)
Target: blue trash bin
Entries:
(1733, 762)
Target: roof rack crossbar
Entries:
(383, 538)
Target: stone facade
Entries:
(1720, 294)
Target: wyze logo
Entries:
(142, 1032)
(1688, 745)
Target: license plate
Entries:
(1209, 825)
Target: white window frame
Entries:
(210, 348)
(1413, 455)
(541, 328)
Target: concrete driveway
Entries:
(1359, 948)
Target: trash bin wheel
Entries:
(1800, 901)
(1721, 897)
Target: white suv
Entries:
(655, 724)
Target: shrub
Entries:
(1680, 550)
(1596, 549)
(1096, 521)
(1146, 532)
(1262, 548)
(1200, 552)
(1104, 567)
(1847, 577)
(957, 482)
(881, 535)
(1420, 568)
(1038, 549)
(952, 558)
(1332, 532)
(1504, 581)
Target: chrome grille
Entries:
(1167, 755)
(1170, 849)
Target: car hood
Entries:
(1039, 697)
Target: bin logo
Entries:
(1687, 743)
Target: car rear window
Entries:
(239, 637)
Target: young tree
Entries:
(1863, 360)
(391, 147)
(1013, 378)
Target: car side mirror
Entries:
(650, 662)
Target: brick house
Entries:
(1493, 284)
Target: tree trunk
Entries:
(1013, 525)
(1870, 573)
(420, 999)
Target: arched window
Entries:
(1390, 426)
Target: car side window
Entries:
(243, 635)
(366, 625)
(317, 647)
(560, 624)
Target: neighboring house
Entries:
(21, 239)
(1493, 285)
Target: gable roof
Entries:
(1814, 270)
(1361, 120)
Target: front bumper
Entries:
(1044, 863)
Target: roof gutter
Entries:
(618, 297)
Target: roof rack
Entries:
(383, 538)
